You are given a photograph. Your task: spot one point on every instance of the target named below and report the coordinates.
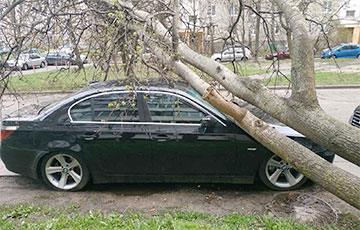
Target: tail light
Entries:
(7, 131)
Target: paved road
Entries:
(339, 103)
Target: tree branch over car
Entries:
(114, 32)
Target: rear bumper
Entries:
(21, 161)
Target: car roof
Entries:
(157, 84)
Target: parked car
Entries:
(231, 54)
(110, 133)
(281, 55)
(58, 58)
(342, 51)
(26, 61)
(61, 58)
(355, 117)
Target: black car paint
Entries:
(139, 152)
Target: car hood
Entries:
(215, 55)
(13, 61)
(287, 131)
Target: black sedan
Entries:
(58, 58)
(112, 133)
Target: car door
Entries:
(344, 52)
(353, 51)
(110, 129)
(182, 147)
(227, 55)
(35, 60)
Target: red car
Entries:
(281, 55)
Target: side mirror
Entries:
(208, 122)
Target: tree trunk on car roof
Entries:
(301, 111)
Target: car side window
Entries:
(120, 107)
(165, 108)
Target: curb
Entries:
(319, 87)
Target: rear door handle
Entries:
(161, 138)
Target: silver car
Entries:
(26, 61)
(231, 54)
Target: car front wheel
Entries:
(278, 175)
(25, 67)
(42, 65)
(64, 172)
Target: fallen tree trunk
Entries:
(337, 181)
(300, 112)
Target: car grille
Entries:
(356, 118)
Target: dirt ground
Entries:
(216, 199)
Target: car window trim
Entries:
(141, 123)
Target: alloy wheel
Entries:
(281, 174)
(63, 171)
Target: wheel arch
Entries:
(41, 156)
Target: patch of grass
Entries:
(39, 218)
(67, 79)
(321, 78)
(247, 68)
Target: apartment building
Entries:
(349, 17)
(212, 20)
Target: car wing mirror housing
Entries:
(207, 123)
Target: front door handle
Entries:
(90, 136)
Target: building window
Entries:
(192, 19)
(233, 11)
(326, 6)
(211, 10)
(350, 13)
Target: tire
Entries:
(64, 171)
(42, 65)
(25, 67)
(358, 56)
(333, 56)
(244, 58)
(218, 59)
(275, 173)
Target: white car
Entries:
(26, 61)
(231, 54)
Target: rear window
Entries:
(116, 107)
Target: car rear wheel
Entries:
(333, 56)
(244, 58)
(25, 67)
(278, 175)
(64, 172)
(218, 59)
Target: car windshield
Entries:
(336, 47)
(52, 54)
(23, 57)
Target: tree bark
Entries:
(257, 29)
